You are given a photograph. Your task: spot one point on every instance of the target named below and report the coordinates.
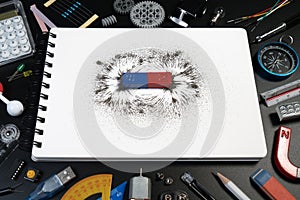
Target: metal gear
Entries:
(147, 14)
(123, 6)
(9, 133)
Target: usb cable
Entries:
(52, 185)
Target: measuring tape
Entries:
(100, 183)
(282, 93)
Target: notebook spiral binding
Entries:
(30, 120)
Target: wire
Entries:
(259, 14)
(9, 190)
(272, 10)
(256, 21)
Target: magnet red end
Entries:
(1, 87)
(159, 79)
(281, 155)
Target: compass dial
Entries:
(278, 59)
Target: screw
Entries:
(182, 196)
(168, 197)
(160, 176)
(169, 181)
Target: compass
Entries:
(278, 60)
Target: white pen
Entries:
(237, 192)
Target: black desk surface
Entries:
(239, 172)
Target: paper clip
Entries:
(282, 161)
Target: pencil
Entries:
(237, 192)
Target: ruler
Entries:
(281, 93)
(100, 183)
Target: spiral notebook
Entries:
(210, 111)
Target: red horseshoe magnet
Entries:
(282, 161)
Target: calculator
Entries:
(16, 41)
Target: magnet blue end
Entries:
(260, 177)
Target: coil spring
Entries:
(107, 21)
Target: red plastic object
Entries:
(159, 79)
(270, 185)
(281, 156)
(1, 87)
(277, 191)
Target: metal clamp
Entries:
(179, 20)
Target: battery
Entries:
(144, 80)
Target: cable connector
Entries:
(52, 185)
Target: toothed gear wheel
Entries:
(123, 6)
(147, 14)
(9, 133)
